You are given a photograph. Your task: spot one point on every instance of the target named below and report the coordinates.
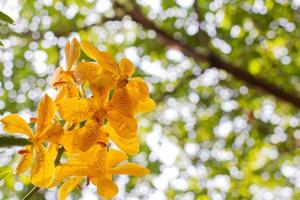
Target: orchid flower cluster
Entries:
(95, 106)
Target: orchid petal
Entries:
(13, 123)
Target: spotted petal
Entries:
(124, 126)
(115, 157)
(104, 59)
(146, 105)
(138, 89)
(89, 135)
(43, 167)
(121, 102)
(53, 133)
(130, 146)
(97, 159)
(60, 77)
(67, 91)
(74, 109)
(132, 169)
(106, 188)
(68, 186)
(88, 71)
(24, 162)
(72, 52)
(13, 123)
(89, 49)
(45, 113)
(127, 67)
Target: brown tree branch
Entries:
(99, 23)
(213, 59)
(66, 32)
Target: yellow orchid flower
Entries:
(111, 75)
(98, 165)
(124, 133)
(108, 71)
(82, 139)
(82, 109)
(67, 79)
(37, 155)
(130, 96)
(133, 91)
(90, 124)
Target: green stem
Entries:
(31, 193)
(8, 141)
(60, 152)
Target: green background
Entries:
(215, 134)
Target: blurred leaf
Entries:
(4, 172)
(255, 66)
(7, 141)
(6, 18)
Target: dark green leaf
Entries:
(6, 18)
(7, 141)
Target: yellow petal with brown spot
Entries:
(72, 52)
(146, 105)
(67, 91)
(13, 123)
(104, 59)
(101, 86)
(88, 137)
(88, 71)
(72, 91)
(89, 49)
(132, 169)
(115, 157)
(53, 133)
(97, 160)
(74, 109)
(43, 168)
(56, 78)
(108, 64)
(45, 113)
(138, 89)
(69, 142)
(106, 188)
(24, 162)
(68, 186)
(60, 77)
(61, 93)
(75, 77)
(101, 94)
(130, 146)
(124, 126)
(127, 67)
(105, 79)
(52, 149)
(121, 102)
(67, 170)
